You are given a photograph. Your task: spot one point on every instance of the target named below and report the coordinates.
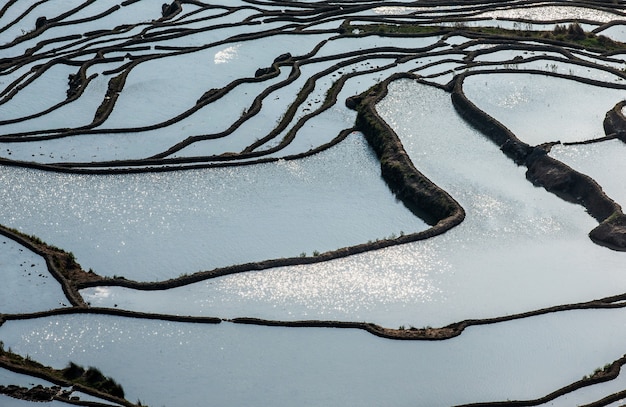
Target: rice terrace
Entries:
(323, 203)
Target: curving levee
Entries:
(105, 88)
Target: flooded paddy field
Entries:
(312, 203)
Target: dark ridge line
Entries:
(437, 334)
(612, 398)
(416, 191)
(574, 61)
(131, 1)
(504, 45)
(442, 333)
(309, 28)
(44, 394)
(608, 25)
(272, 72)
(111, 312)
(94, 17)
(21, 16)
(248, 153)
(440, 228)
(23, 164)
(134, 39)
(251, 111)
(88, 45)
(416, 71)
(56, 54)
(515, 65)
(540, 40)
(54, 260)
(27, 78)
(66, 133)
(606, 57)
(423, 334)
(41, 44)
(306, 90)
(553, 21)
(157, 37)
(609, 373)
(376, 53)
(329, 13)
(202, 166)
(8, 5)
(586, 81)
(99, 119)
(547, 172)
(419, 334)
(185, 19)
(176, 28)
(615, 121)
(83, 85)
(83, 129)
(60, 264)
(419, 195)
(612, 231)
(48, 23)
(35, 369)
(611, 136)
(88, 129)
(114, 88)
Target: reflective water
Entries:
(536, 108)
(26, 284)
(157, 226)
(552, 12)
(7, 401)
(604, 162)
(534, 243)
(8, 377)
(520, 248)
(248, 365)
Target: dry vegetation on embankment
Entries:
(420, 195)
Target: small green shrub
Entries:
(94, 378)
(73, 371)
(94, 375)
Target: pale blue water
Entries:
(247, 365)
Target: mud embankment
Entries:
(551, 174)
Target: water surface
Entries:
(248, 365)
(528, 245)
(158, 226)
